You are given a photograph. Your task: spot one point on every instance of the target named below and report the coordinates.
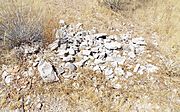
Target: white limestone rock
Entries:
(71, 51)
(54, 45)
(60, 70)
(70, 66)
(139, 41)
(112, 45)
(47, 72)
(86, 52)
(99, 61)
(100, 35)
(69, 59)
(8, 79)
(119, 71)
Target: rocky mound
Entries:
(116, 57)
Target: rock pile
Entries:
(75, 47)
(113, 55)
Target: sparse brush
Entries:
(123, 5)
(20, 22)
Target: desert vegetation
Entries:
(35, 22)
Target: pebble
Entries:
(86, 52)
(4, 74)
(119, 71)
(54, 45)
(69, 59)
(108, 71)
(97, 68)
(60, 70)
(8, 79)
(39, 106)
(98, 61)
(100, 35)
(139, 41)
(71, 51)
(128, 74)
(70, 66)
(119, 60)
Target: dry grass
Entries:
(137, 93)
(21, 22)
(161, 16)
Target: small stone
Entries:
(110, 46)
(97, 68)
(98, 61)
(63, 53)
(8, 79)
(17, 110)
(82, 62)
(4, 74)
(100, 35)
(86, 52)
(63, 46)
(60, 70)
(31, 49)
(102, 67)
(131, 54)
(119, 60)
(69, 59)
(47, 72)
(102, 55)
(108, 77)
(139, 41)
(113, 45)
(39, 106)
(62, 22)
(54, 45)
(70, 66)
(95, 49)
(96, 55)
(108, 71)
(67, 75)
(141, 70)
(119, 71)
(71, 51)
(114, 64)
(128, 74)
(28, 101)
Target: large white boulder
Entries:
(47, 72)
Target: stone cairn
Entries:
(114, 56)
